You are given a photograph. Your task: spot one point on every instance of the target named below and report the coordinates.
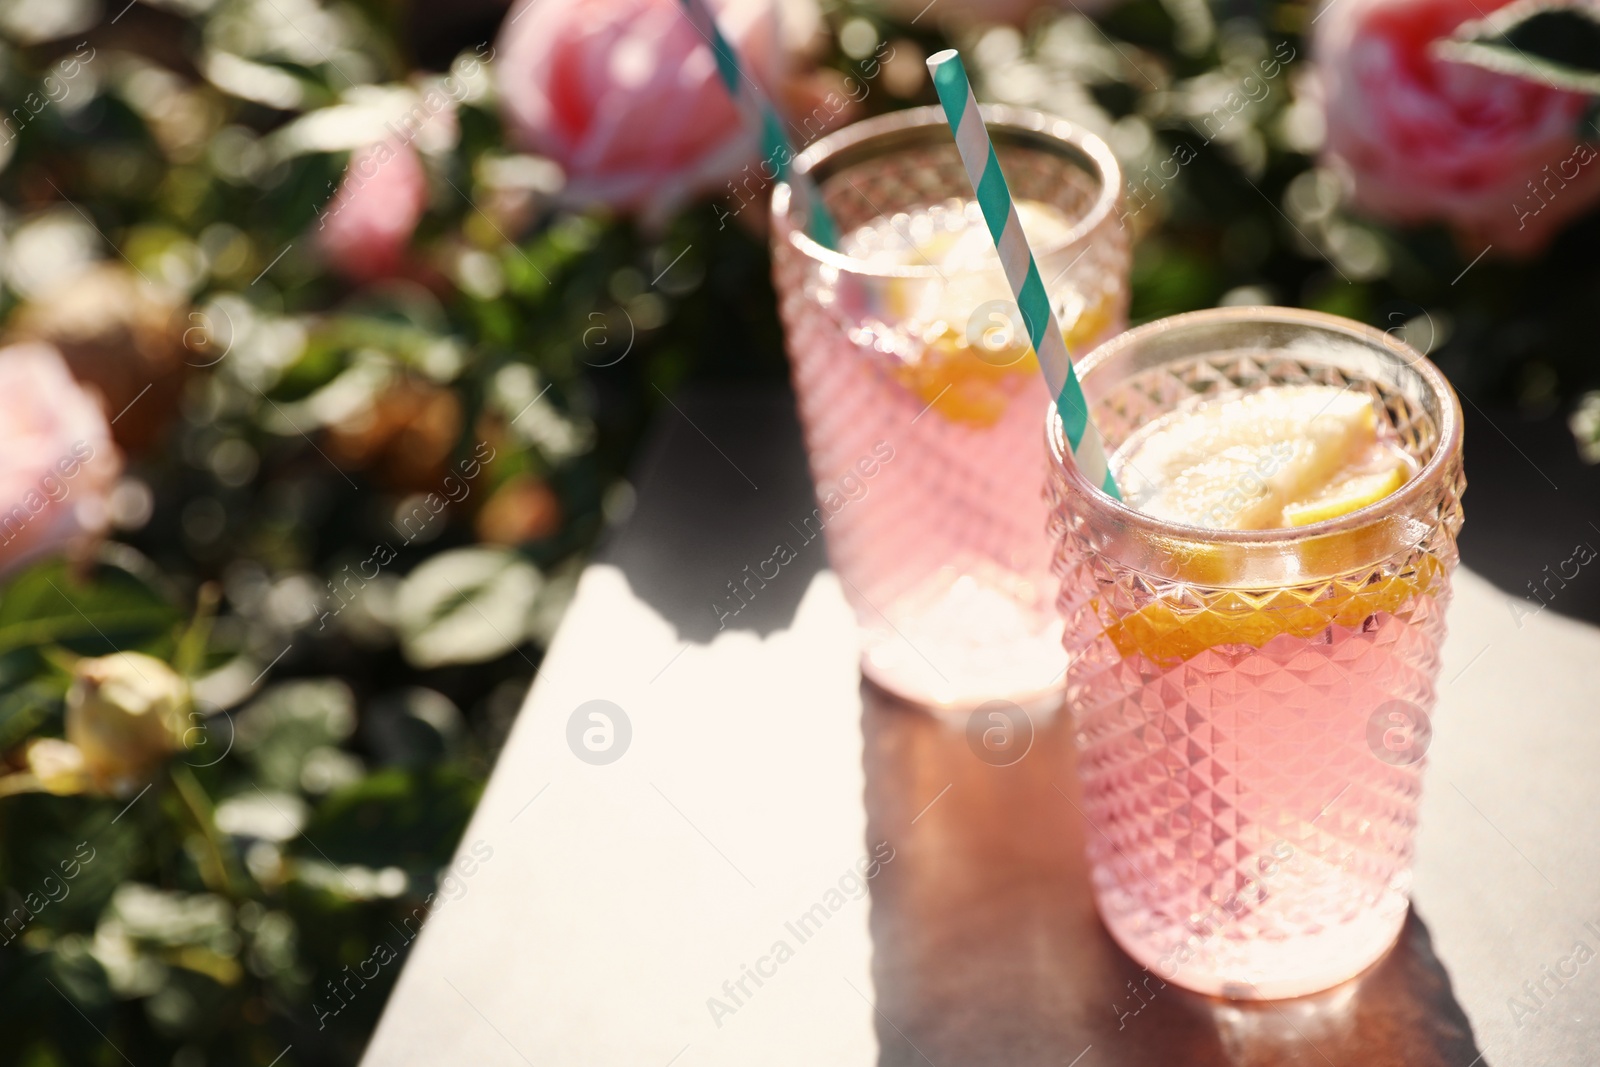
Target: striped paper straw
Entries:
(775, 146)
(994, 198)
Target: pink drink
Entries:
(920, 410)
(1251, 705)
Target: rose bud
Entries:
(126, 713)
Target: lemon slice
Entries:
(1281, 456)
(953, 240)
(1346, 496)
(1166, 633)
(1276, 457)
(967, 356)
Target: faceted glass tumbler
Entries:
(919, 398)
(1252, 707)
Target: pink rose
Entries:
(365, 231)
(57, 463)
(625, 95)
(1423, 138)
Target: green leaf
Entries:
(44, 1026)
(103, 611)
(168, 919)
(49, 843)
(289, 721)
(25, 707)
(398, 817)
(467, 605)
(1557, 44)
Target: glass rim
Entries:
(1026, 124)
(1401, 501)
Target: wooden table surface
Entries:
(703, 898)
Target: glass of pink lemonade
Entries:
(1254, 639)
(919, 394)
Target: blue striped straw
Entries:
(775, 146)
(994, 198)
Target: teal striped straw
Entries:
(994, 198)
(775, 146)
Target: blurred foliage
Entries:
(387, 489)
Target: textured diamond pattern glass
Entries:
(1251, 707)
(927, 459)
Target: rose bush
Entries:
(57, 463)
(625, 95)
(1422, 138)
